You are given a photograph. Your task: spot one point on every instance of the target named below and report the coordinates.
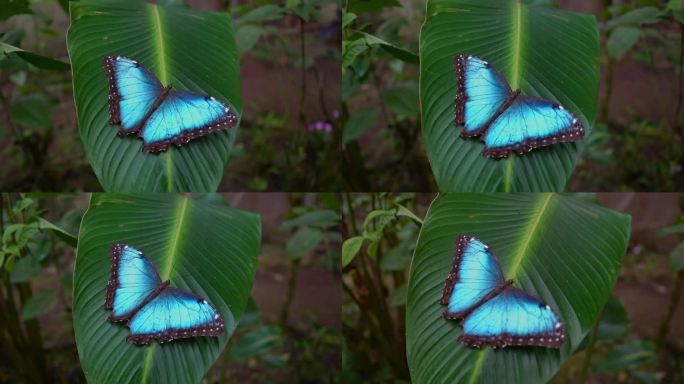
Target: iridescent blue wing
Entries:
(513, 317)
(481, 93)
(183, 116)
(132, 282)
(528, 123)
(475, 275)
(133, 91)
(174, 314)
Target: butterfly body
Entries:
(504, 119)
(151, 308)
(161, 116)
(492, 310)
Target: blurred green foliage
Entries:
(380, 231)
(39, 233)
(295, 150)
(380, 97)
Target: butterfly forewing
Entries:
(476, 273)
(481, 93)
(133, 91)
(133, 280)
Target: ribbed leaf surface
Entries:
(207, 248)
(188, 49)
(544, 51)
(565, 250)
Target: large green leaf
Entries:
(565, 250)
(207, 248)
(544, 51)
(188, 49)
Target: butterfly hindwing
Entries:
(475, 275)
(133, 92)
(513, 317)
(481, 93)
(133, 281)
(528, 123)
(183, 116)
(174, 314)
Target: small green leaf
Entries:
(32, 112)
(20, 234)
(260, 14)
(674, 5)
(398, 52)
(23, 204)
(376, 220)
(403, 211)
(24, 270)
(351, 50)
(402, 99)
(677, 228)
(302, 242)
(621, 40)
(256, 343)
(399, 257)
(676, 258)
(614, 320)
(632, 354)
(372, 248)
(360, 122)
(247, 36)
(350, 248)
(69, 238)
(38, 304)
(38, 61)
(636, 17)
(348, 18)
(8, 234)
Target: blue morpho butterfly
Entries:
(140, 104)
(152, 309)
(505, 119)
(492, 310)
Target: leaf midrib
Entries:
(165, 274)
(514, 81)
(163, 75)
(527, 237)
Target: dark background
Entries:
(280, 146)
(647, 286)
(636, 140)
(290, 331)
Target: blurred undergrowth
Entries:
(291, 148)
